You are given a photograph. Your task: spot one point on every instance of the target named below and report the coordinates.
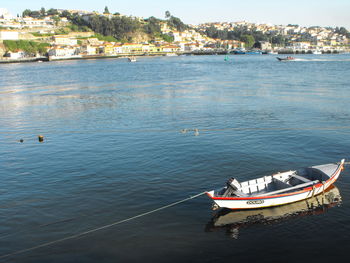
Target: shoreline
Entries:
(125, 55)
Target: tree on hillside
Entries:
(42, 11)
(66, 14)
(342, 31)
(52, 12)
(211, 31)
(278, 40)
(167, 14)
(35, 14)
(106, 12)
(118, 27)
(26, 12)
(177, 23)
(248, 40)
(153, 26)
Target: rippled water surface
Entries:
(114, 149)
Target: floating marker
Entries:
(196, 132)
(41, 138)
(21, 140)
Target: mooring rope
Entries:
(100, 228)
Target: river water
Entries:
(113, 149)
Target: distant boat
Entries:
(277, 189)
(226, 58)
(171, 54)
(247, 52)
(285, 59)
(316, 52)
(132, 59)
(239, 52)
(253, 52)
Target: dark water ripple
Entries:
(113, 149)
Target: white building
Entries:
(63, 52)
(30, 22)
(89, 50)
(300, 45)
(15, 55)
(192, 47)
(65, 40)
(9, 35)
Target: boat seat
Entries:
(303, 179)
(239, 193)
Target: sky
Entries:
(280, 12)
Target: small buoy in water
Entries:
(41, 138)
(183, 130)
(21, 140)
(196, 132)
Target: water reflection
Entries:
(232, 221)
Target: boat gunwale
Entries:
(307, 189)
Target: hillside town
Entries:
(298, 38)
(49, 30)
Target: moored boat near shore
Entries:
(234, 220)
(317, 52)
(278, 189)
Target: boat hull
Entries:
(255, 202)
(285, 59)
(330, 198)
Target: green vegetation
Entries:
(52, 12)
(342, 31)
(116, 27)
(106, 10)
(36, 34)
(34, 14)
(76, 28)
(30, 47)
(167, 38)
(175, 22)
(241, 34)
(249, 40)
(122, 27)
(152, 26)
(105, 38)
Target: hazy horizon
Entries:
(310, 13)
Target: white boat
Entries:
(234, 220)
(277, 189)
(316, 52)
(132, 59)
(171, 55)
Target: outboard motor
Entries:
(232, 186)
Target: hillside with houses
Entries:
(62, 34)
